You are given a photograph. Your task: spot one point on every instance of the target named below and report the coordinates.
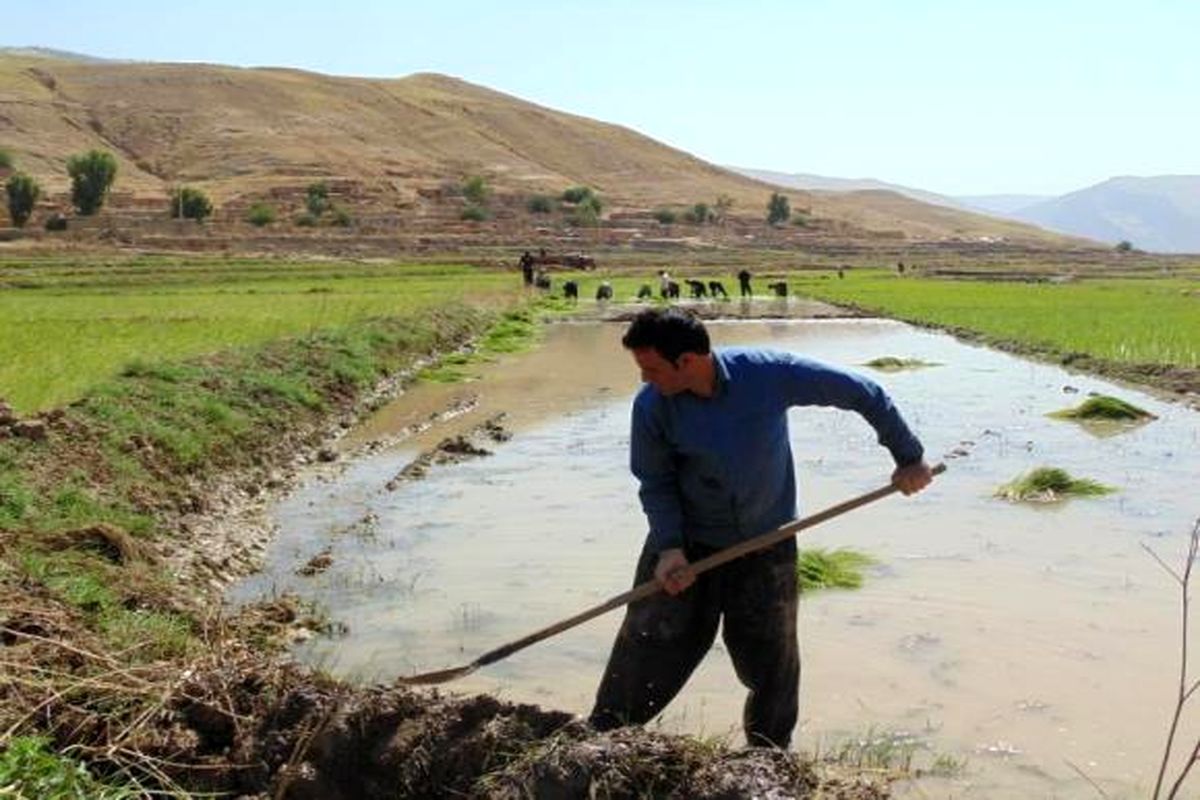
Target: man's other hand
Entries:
(913, 478)
(673, 573)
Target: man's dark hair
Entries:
(669, 331)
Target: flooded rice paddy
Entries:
(1029, 641)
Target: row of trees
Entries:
(92, 175)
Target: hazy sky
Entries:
(1037, 96)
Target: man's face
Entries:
(657, 371)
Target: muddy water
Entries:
(1020, 639)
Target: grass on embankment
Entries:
(83, 511)
(1130, 321)
(132, 449)
(70, 324)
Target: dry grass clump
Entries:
(1049, 485)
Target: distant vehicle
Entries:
(568, 260)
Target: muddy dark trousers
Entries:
(664, 638)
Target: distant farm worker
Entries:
(709, 445)
(744, 283)
(664, 284)
(526, 263)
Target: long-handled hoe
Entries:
(650, 587)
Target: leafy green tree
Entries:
(476, 190)
(1124, 246)
(92, 175)
(699, 214)
(189, 203)
(23, 194)
(778, 209)
(260, 214)
(540, 204)
(316, 198)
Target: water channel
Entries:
(1032, 642)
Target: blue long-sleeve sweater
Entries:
(718, 470)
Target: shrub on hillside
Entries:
(665, 216)
(6, 159)
(341, 217)
(260, 214)
(540, 204)
(56, 222)
(189, 203)
(577, 194)
(586, 215)
(23, 193)
(699, 214)
(475, 214)
(476, 190)
(316, 198)
(778, 209)
(92, 175)
(306, 220)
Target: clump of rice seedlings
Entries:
(818, 568)
(1049, 485)
(1103, 407)
(894, 363)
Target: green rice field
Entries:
(69, 325)
(1133, 320)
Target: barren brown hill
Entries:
(239, 133)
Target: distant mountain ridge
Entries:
(1157, 213)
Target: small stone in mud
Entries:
(317, 564)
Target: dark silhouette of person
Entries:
(744, 283)
(526, 263)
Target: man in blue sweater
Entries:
(709, 445)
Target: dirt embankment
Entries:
(113, 646)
